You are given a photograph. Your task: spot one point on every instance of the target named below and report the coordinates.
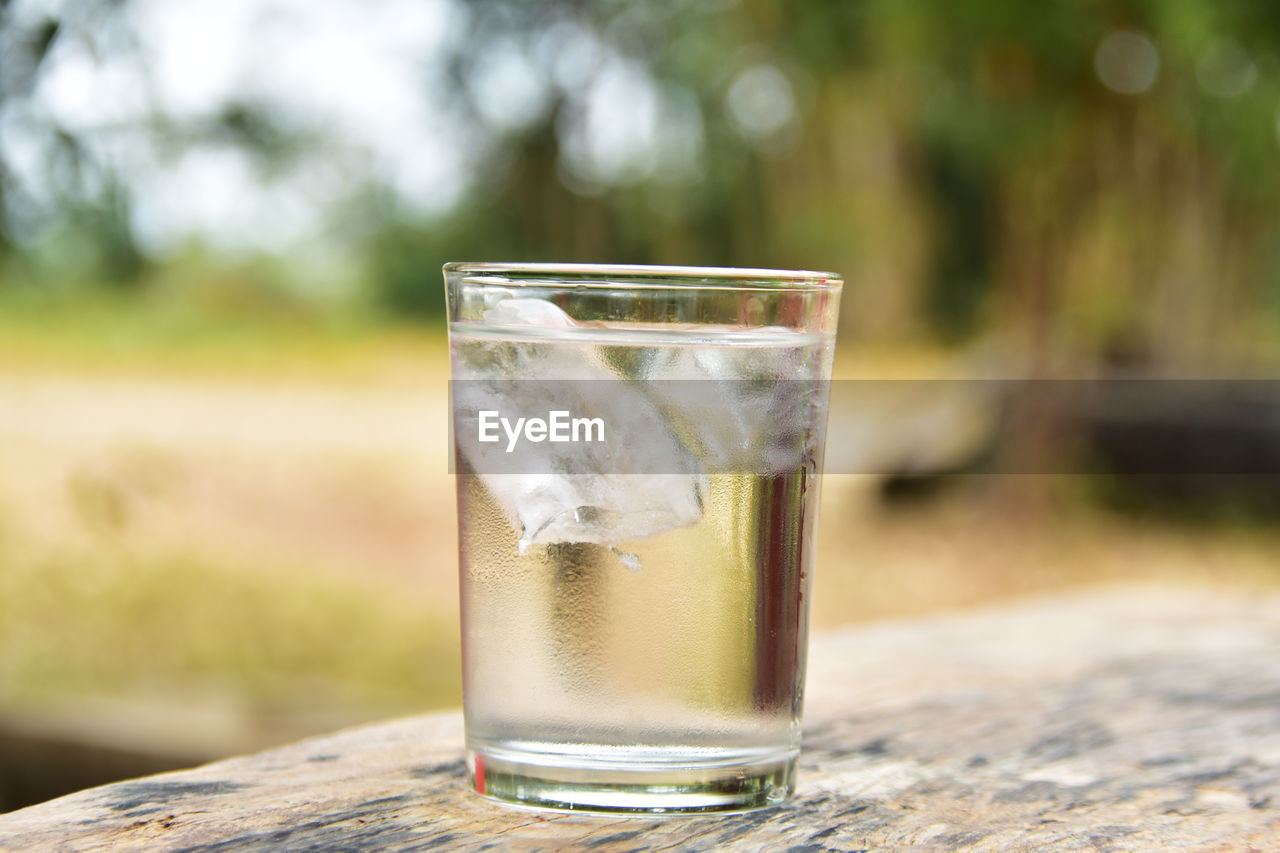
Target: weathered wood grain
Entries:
(1118, 721)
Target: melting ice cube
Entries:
(569, 492)
(527, 313)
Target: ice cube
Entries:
(601, 509)
(527, 312)
(752, 405)
(561, 493)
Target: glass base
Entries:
(541, 781)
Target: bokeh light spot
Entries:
(1226, 70)
(761, 102)
(1127, 62)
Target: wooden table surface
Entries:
(1122, 720)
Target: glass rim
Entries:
(644, 276)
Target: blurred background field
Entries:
(225, 513)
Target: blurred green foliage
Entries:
(1092, 180)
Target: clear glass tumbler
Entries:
(637, 454)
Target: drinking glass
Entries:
(637, 458)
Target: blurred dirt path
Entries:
(269, 476)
